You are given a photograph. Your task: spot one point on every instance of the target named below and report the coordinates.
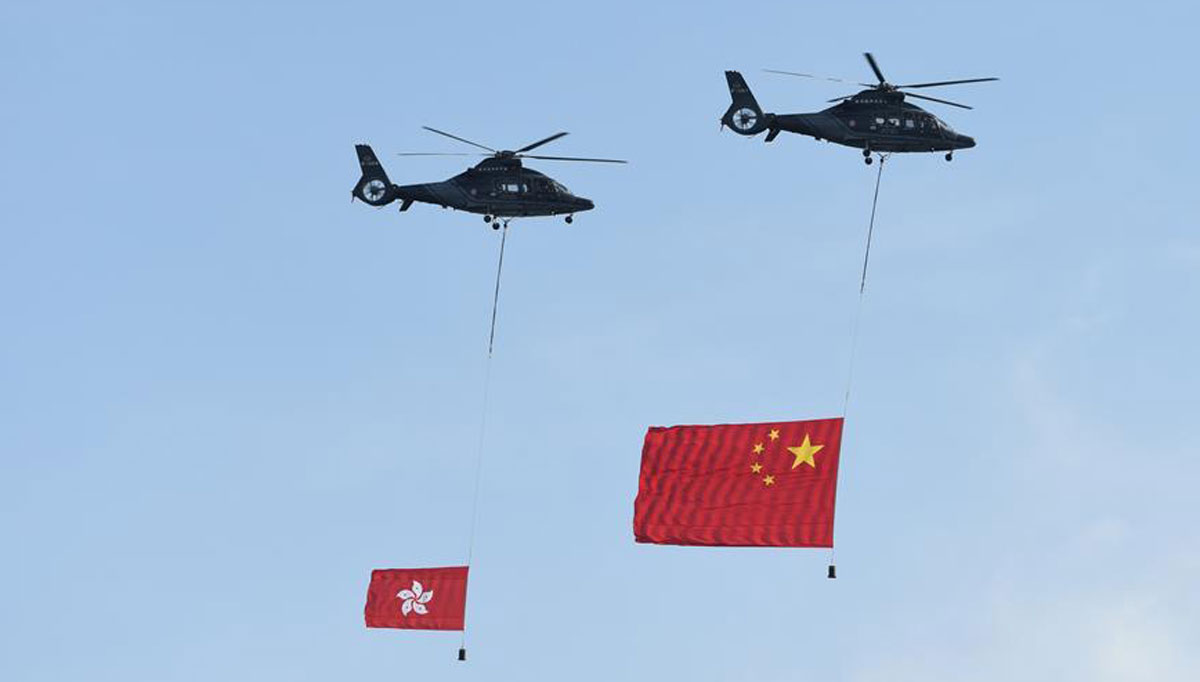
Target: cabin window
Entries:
(513, 188)
(894, 122)
(909, 123)
(878, 120)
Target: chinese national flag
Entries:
(769, 484)
(417, 598)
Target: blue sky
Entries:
(228, 393)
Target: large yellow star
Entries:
(804, 453)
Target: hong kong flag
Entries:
(417, 598)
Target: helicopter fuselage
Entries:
(499, 187)
(876, 121)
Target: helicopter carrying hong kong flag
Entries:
(417, 598)
(499, 187)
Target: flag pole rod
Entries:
(487, 387)
(862, 288)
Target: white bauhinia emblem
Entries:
(374, 190)
(744, 118)
(415, 599)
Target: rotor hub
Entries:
(898, 91)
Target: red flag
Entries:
(417, 598)
(769, 484)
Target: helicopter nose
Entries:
(585, 204)
(967, 141)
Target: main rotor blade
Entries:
(821, 78)
(456, 137)
(839, 99)
(570, 158)
(931, 85)
(440, 154)
(539, 143)
(874, 67)
(934, 99)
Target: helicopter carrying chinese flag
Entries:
(877, 119)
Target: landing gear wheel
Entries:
(867, 151)
(496, 225)
(868, 160)
(569, 219)
(949, 156)
(487, 219)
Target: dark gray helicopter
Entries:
(874, 120)
(499, 187)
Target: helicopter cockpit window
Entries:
(559, 188)
(909, 123)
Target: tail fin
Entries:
(744, 116)
(373, 187)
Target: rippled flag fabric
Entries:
(417, 598)
(772, 484)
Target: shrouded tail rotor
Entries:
(373, 187)
(744, 115)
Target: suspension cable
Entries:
(487, 385)
(862, 288)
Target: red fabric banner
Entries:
(417, 598)
(771, 484)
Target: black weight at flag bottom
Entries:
(832, 572)
(462, 654)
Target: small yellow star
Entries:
(755, 468)
(758, 448)
(768, 480)
(774, 434)
(804, 453)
